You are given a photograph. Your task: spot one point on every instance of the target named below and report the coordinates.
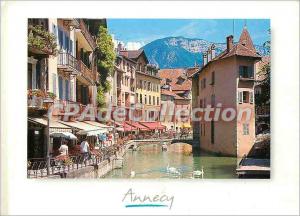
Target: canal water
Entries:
(151, 162)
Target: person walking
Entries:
(64, 149)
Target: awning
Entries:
(97, 124)
(128, 127)
(86, 129)
(138, 126)
(66, 135)
(120, 129)
(153, 125)
(54, 125)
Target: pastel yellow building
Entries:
(147, 85)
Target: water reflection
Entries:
(151, 162)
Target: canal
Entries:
(151, 162)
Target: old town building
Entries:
(147, 85)
(176, 90)
(62, 69)
(227, 79)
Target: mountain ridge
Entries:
(182, 52)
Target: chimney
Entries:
(213, 51)
(229, 41)
(208, 55)
(119, 47)
(204, 58)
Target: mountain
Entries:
(180, 52)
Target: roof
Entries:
(191, 71)
(185, 86)
(244, 47)
(133, 54)
(173, 75)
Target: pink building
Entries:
(227, 79)
(176, 93)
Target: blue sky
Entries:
(143, 31)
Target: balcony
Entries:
(40, 41)
(86, 34)
(68, 63)
(86, 73)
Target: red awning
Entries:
(139, 126)
(153, 125)
(128, 127)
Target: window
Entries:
(141, 84)
(212, 132)
(149, 99)
(145, 99)
(201, 103)
(245, 129)
(245, 97)
(204, 102)
(154, 100)
(246, 72)
(141, 98)
(213, 78)
(157, 100)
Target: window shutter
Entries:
(240, 97)
(60, 87)
(60, 38)
(67, 89)
(71, 48)
(251, 97)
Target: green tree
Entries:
(265, 83)
(106, 60)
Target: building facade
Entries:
(227, 81)
(175, 82)
(147, 85)
(62, 66)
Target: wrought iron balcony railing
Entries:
(67, 60)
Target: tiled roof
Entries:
(244, 47)
(132, 54)
(191, 71)
(185, 86)
(173, 75)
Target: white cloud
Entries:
(131, 45)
